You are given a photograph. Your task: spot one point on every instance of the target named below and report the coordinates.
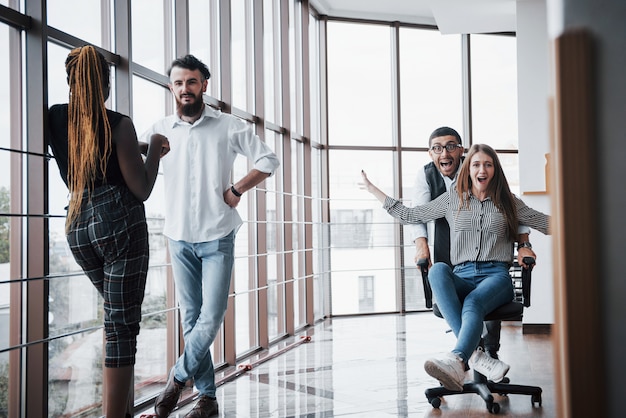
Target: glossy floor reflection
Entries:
(372, 366)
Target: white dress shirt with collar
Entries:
(421, 196)
(197, 171)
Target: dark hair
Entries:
(498, 189)
(444, 131)
(189, 62)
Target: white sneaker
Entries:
(449, 370)
(484, 364)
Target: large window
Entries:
(382, 125)
(431, 84)
(359, 84)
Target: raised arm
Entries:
(138, 174)
(369, 186)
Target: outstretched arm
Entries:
(369, 186)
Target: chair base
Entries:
(485, 388)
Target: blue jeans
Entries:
(202, 273)
(466, 294)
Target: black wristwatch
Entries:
(526, 244)
(234, 191)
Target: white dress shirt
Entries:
(197, 171)
(421, 196)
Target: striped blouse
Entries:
(477, 233)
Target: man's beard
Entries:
(191, 109)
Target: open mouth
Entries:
(481, 179)
(445, 164)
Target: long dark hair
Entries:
(498, 189)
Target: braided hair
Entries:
(88, 78)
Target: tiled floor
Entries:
(372, 366)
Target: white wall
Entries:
(533, 74)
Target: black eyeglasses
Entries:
(438, 149)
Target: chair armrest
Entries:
(526, 280)
(422, 263)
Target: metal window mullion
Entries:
(466, 69)
(258, 309)
(35, 361)
(307, 170)
(225, 61)
(285, 315)
(400, 277)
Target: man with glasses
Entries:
(446, 151)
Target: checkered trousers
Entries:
(109, 240)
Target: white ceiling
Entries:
(450, 16)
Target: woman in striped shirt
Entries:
(483, 215)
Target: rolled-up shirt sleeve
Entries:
(244, 141)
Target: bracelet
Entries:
(234, 191)
(526, 244)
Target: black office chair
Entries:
(511, 311)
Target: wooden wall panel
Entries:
(578, 359)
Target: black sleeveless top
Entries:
(57, 139)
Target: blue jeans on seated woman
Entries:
(468, 293)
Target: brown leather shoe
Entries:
(168, 399)
(205, 408)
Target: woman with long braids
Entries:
(98, 156)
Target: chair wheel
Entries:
(435, 402)
(535, 399)
(494, 408)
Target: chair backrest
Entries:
(511, 311)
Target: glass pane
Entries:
(320, 237)
(359, 80)
(414, 289)
(245, 281)
(152, 351)
(314, 79)
(431, 89)
(75, 373)
(270, 59)
(80, 18)
(362, 239)
(149, 103)
(148, 34)
(151, 368)
(295, 63)
(275, 243)
(493, 61)
(241, 32)
(8, 302)
(297, 164)
(200, 35)
(58, 89)
(5, 89)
